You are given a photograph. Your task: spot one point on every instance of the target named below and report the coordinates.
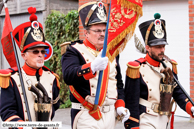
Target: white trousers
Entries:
(86, 121)
(148, 121)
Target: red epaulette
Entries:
(141, 60)
(4, 77)
(57, 76)
(133, 68)
(46, 69)
(174, 66)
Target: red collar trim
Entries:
(90, 45)
(152, 61)
(31, 71)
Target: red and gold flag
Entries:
(6, 40)
(123, 18)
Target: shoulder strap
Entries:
(140, 60)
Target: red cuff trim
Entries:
(119, 103)
(89, 74)
(135, 128)
(188, 108)
(20, 121)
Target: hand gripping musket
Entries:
(35, 90)
(43, 104)
(166, 91)
(103, 55)
(46, 99)
(42, 108)
(178, 84)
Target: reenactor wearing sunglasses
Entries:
(81, 64)
(30, 39)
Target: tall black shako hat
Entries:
(30, 34)
(154, 31)
(92, 13)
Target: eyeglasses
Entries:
(98, 31)
(37, 51)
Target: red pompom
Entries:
(33, 17)
(32, 10)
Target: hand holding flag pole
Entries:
(103, 55)
(122, 18)
(9, 47)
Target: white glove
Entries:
(123, 113)
(27, 128)
(192, 109)
(99, 63)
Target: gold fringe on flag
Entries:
(130, 5)
(4, 80)
(127, 33)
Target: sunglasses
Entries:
(37, 51)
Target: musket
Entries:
(2, 4)
(183, 90)
(35, 90)
(45, 94)
(103, 55)
(43, 106)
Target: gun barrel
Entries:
(34, 90)
(45, 94)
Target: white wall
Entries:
(175, 13)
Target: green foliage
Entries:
(60, 28)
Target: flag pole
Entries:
(103, 55)
(21, 78)
(19, 69)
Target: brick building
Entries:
(179, 17)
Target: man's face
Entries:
(34, 57)
(96, 35)
(156, 52)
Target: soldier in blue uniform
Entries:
(30, 39)
(81, 64)
(149, 86)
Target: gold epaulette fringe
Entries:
(64, 47)
(174, 66)
(4, 80)
(133, 71)
(57, 77)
